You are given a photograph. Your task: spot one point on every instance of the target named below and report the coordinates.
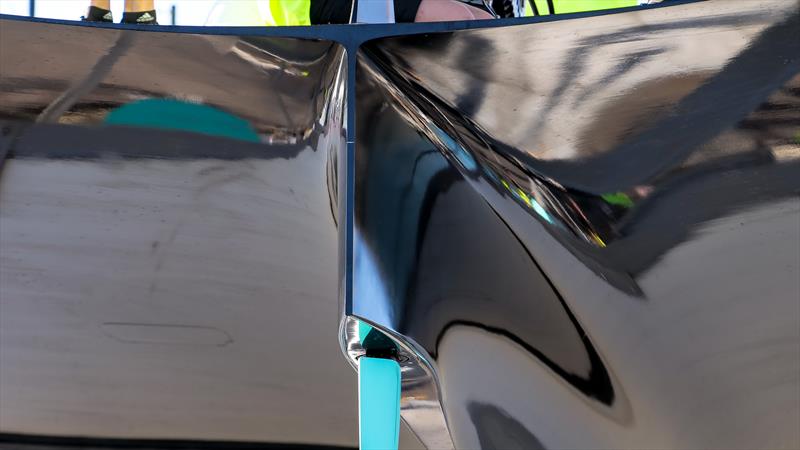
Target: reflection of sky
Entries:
(528, 200)
(468, 162)
(537, 201)
(539, 210)
(459, 152)
(188, 12)
(370, 298)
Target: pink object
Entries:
(448, 10)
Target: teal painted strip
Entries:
(378, 403)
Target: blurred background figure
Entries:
(299, 12)
(141, 12)
(305, 12)
(339, 11)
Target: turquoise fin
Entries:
(378, 403)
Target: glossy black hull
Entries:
(580, 231)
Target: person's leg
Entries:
(139, 5)
(140, 11)
(99, 11)
(448, 10)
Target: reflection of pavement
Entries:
(189, 298)
(235, 260)
(178, 243)
(569, 81)
(149, 289)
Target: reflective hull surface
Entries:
(170, 283)
(579, 232)
(590, 228)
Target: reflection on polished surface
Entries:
(590, 229)
(168, 238)
(573, 233)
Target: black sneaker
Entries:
(96, 14)
(508, 8)
(141, 18)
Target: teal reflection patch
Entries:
(363, 330)
(167, 114)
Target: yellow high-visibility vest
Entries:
(289, 12)
(571, 6)
(297, 12)
(259, 13)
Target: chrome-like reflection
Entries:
(280, 85)
(421, 402)
(526, 193)
(169, 237)
(579, 233)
